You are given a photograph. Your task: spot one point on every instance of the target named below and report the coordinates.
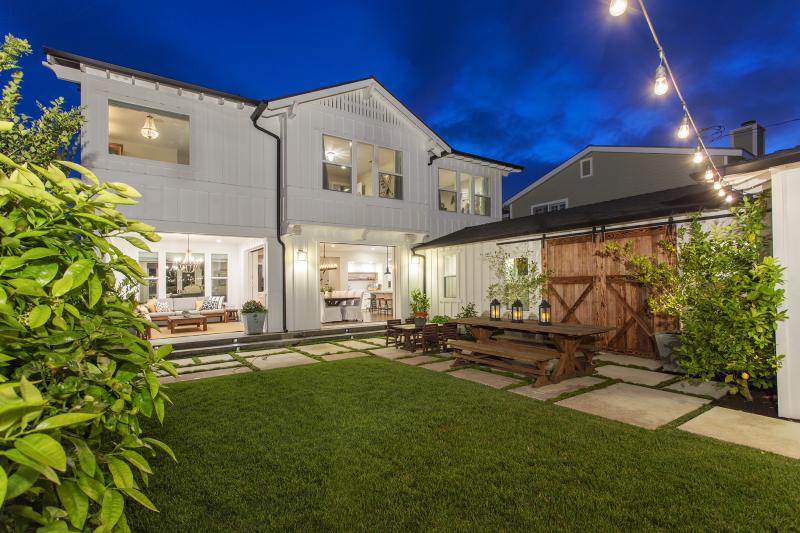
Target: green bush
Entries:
(726, 290)
(253, 306)
(467, 311)
(516, 278)
(440, 319)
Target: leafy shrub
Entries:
(253, 306)
(726, 291)
(76, 373)
(516, 278)
(467, 311)
(420, 303)
(440, 319)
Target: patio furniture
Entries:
(412, 335)
(447, 332)
(331, 311)
(392, 333)
(429, 339)
(176, 307)
(201, 321)
(506, 354)
(233, 314)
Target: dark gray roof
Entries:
(781, 157)
(671, 202)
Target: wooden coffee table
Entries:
(191, 320)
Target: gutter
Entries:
(278, 160)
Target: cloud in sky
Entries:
(528, 82)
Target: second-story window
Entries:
(137, 131)
(390, 176)
(337, 165)
(483, 198)
(365, 157)
(466, 182)
(447, 190)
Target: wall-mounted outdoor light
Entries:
(302, 256)
(415, 260)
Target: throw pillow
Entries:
(151, 305)
(198, 304)
(162, 307)
(208, 304)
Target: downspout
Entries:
(278, 159)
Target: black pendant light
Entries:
(388, 272)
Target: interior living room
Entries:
(196, 284)
(356, 283)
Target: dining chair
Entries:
(391, 333)
(430, 338)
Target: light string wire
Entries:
(663, 56)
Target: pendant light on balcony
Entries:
(149, 130)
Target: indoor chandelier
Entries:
(149, 130)
(188, 263)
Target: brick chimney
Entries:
(749, 136)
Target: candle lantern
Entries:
(494, 310)
(544, 313)
(516, 312)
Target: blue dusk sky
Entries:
(529, 82)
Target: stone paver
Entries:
(651, 364)
(748, 429)
(208, 374)
(212, 366)
(216, 358)
(705, 388)
(633, 375)
(256, 353)
(380, 341)
(322, 349)
(484, 378)
(342, 356)
(357, 345)
(640, 406)
(556, 389)
(282, 360)
(441, 366)
(391, 353)
(419, 360)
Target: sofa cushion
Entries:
(163, 306)
(183, 304)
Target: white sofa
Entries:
(178, 305)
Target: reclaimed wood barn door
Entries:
(587, 288)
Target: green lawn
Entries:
(372, 445)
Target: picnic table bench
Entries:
(527, 355)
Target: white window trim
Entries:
(377, 162)
(211, 276)
(565, 201)
(458, 281)
(474, 196)
(591, 168)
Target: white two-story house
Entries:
(279, 199)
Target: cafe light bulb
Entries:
(661, 85)
(709, 174)
(618, 7)
(717, 185)
(683, 131)
(698, 156)
(729, 198)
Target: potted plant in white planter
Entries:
(254, 315)
(420, 305)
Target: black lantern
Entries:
(516, 312)
(544, 313)
(494, 310)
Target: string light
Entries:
(729, 198)
(698, 156)
(683, 131)
(661, 85)
(688, 125)
(709, 174)
(618, 7)
(717, 185)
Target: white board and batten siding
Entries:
(350, 116)
(228, 187)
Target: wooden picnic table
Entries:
(565, 337)
(408, 331)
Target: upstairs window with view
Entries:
(364, 169)
(337, 166)
(483, 197)
(136, 131)
(390, 173)
(447, 190)
(466, 183)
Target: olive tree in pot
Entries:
(254, 315)
(420, 305)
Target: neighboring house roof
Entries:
(677, 201)
(369, 83)
(781, 157)
(623, 149)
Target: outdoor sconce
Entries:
(516, 312)
(544, 313)
(302, 256)
(415, 260)
(494, 310)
